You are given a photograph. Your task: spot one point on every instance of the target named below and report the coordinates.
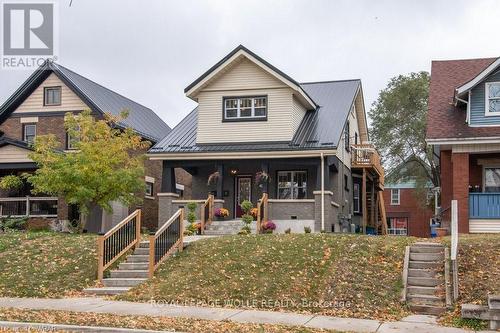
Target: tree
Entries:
(399, 120)
(107, 163)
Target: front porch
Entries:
(293, 187)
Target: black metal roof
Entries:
(141, 119)
(319, 129)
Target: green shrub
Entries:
(191, 217)
(10, 182)
(247, 219)
(307, 230)
(191, 206)
(14, 223)
(246, 206)
(288, 231)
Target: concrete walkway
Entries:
(420, 324)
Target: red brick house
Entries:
(464, 131)
(38, 107)
(407, 212)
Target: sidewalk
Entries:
(420, 324)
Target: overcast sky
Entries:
(150, 50)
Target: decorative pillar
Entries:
(460, 162)
(220, 183)
(265, 185)
(168, 179)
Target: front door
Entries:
(243, 192)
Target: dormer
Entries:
(245, 99)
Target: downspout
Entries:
(322, 193)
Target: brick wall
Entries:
(446, 185)
(13, 128)
(410, 207)
(460, 163)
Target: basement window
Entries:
(245, 108)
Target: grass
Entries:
(340, 275)
(46, 264)
(478, 274)
(145, 322)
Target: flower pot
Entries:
(220, 218)
(441, 232)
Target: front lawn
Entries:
(46, 264)
(339, 275)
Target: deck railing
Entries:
(484, 205)
(365, 155)
(29, 206)
(207, 213)
(166, 240)
(114, 243)
(262, 209)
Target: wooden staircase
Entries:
(424, 278)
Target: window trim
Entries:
(68, 147)
(394, 203)
(488, 166)
(487, 112)
(24, 131)
(45, 95)
(356, 195)
(147, 183)
(240, 119)
(292, 171)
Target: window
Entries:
(346, 182)
(492, 94)
(355, 198)
(245, 108)
(491, 179)
(52, 96)
(398, 226)
(346, 136)
(355, 138)
(71, 141)
(29, 133)
(292, 184)
(149, 189)
(395, 196)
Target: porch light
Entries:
(233, 171)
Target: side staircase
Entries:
(424, 278)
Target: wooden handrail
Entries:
(206, 212)
(159, 241)
(262, 211)
(109, 249)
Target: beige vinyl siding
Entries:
(484, 226)
(342, 154)
(277, 127)
(241, 75)
(298, 113)
(13, 154)
(69, 100)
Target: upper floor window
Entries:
(346, 136)
(52, 96)
(492, 98)
(29, 133)
(395, 196)
(245, 108)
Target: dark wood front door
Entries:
(243, 192)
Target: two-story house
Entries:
(259, 135)
(464, 130)
(38, 107)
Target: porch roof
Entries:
(319, 129)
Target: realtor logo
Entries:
(28, 36)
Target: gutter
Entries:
(322, 192)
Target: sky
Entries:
(151, 50)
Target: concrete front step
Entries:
(133, 266)
(424, 282)
(106, 291)
(427, 257)
(427, 309)
(427, 244)
(421, 290)
(121, 273)
(426, 299)
(429, 273)
(426, 265)
(138, 258)
(426, 249)
(141, 251)
(144, 244)
(120, 282)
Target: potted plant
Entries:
(191, 217)
(246, 207)
(441, 232)
(262, 178)
(268, 227)
(213, 180)
(221, 213)
(254, 212)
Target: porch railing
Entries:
(114, 243)
(262, 209)
(166, 240)
(365, 155)
(207, 213)
(29, 206)
(484, 205)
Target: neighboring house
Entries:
(311, 139)
(38, 108)
(464, 129)
(409, 212)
